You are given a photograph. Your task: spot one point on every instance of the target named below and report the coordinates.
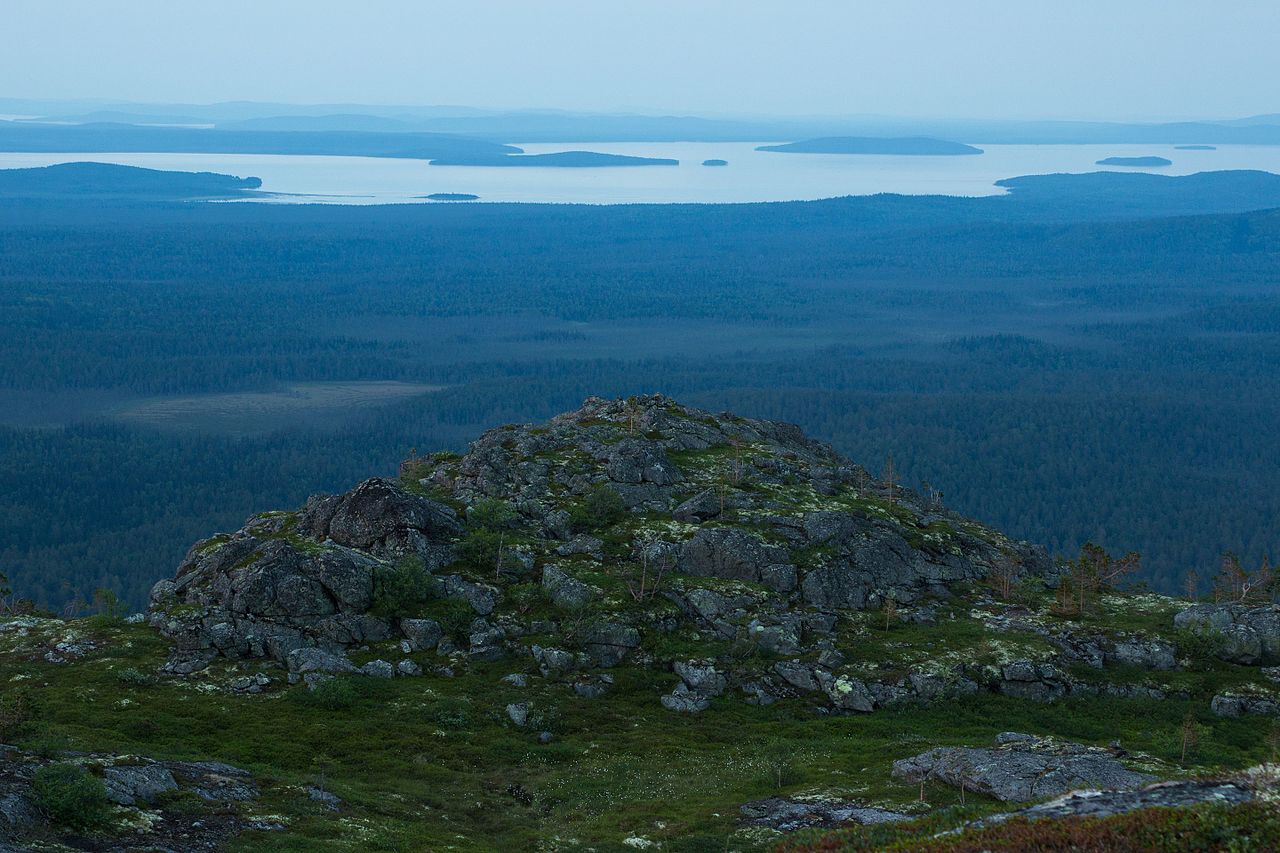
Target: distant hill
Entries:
(913, 145)
(559, 159)
(348, 121)
(107, 180)
(29, 136)
(1196, 147)
(1134, 161)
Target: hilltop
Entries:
(638, 625)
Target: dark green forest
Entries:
(1067, 363)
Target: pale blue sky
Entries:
(1142, 59)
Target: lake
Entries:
(751, 175)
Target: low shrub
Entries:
(402, 590)
(1204, 644)
(134, 677)
(71, 796)
(334, 694)
(17, 711)
(601, 507)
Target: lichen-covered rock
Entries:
(1021, 769)
(1240, 704)
(128, 784)
(565, 591)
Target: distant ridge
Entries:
(910, 145)
(558, 159)
(57, 138)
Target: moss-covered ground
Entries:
(434, 763)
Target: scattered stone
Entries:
(329, 800)
(701, 676)
(564, 591)
(686, 701)
(408, 668)
(593, 686)
(421, 634)
(516, 679)
(518, 712)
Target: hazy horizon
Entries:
(1145, 61)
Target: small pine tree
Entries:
(890, 479)
(1191, 585)
(1237, 585)
(890, 610)
(1190, 735)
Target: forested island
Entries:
(715, 162)
(1195, 148)
(109, 180)
(1148, 162)
(557, 159)
(451, 197)
(907, 145)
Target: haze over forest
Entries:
(703, 426)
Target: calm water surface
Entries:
(750, 176)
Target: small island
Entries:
(1195, 148)
(1134, 161)
(558, 159)
(714, 162)
(450, 197)
(906, 145)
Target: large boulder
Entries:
(1022, 768)
(380, 517)
(1250, 634)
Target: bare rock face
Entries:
(1021, 769)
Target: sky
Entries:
(1077, 59)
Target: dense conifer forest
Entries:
(1068, 364)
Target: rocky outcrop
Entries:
(1021, 768)
(271, 588)
(1249, 635)
(786, 814)
(1243, 704)
(1161, 795)
(754, 531)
